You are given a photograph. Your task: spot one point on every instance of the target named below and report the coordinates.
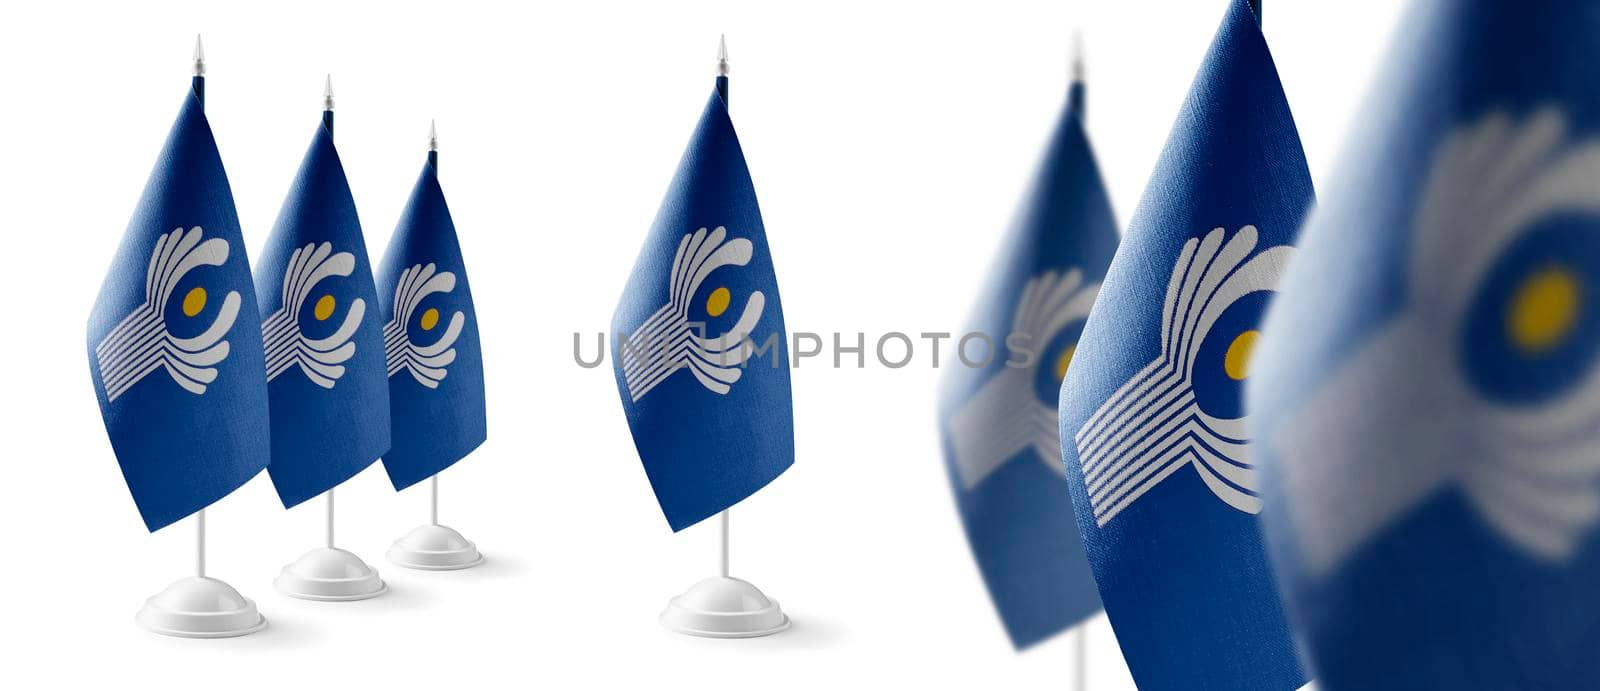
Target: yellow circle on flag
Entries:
(324, 308)
(1064, 360)
(1237, 362)
(194, 301)
(1544, 310)
(717, 302)
(430, 319)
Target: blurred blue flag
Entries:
(174, 338)
(431, 337)
(1428, 393)
(1152, 416)
(998, 415)
(324, 344)
(699, 350)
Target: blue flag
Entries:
(699, 350)
(1429, 394)
(324, 344)
(174, 338)
(998, 420)
(431, 339)
(1152, 415)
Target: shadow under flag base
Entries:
(330, 574)
(200, 607)
(724, 607)
(435, 548)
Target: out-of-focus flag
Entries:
(175, 339)
(998, 421)
(1428, 395)
(1152, 410)
(699, 351)
(431, 340)
(326, 370)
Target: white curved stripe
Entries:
(1152, 425)
(1168, 395)
(709, 253)
(211, 338)
(715, 362)
(1531, 472)
(285, 343)
(1195, 261)
(1005, 416)
(427, 364)
(1137, 449)
(666, 343)
(341, 336)
(1001, 420)
(727, 342)
(142, 343)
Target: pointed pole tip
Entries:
(433, 135)
(199, 57)
(722, 55)
(327, 93)
(1077, 55)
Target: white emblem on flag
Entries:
(1154, 425)
(286, 344)
(668, 341)
(142, 343)
(426, 363)
(1006, 416)
(1409, 413)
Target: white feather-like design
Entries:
(1152, 426)
(1005, 417)
(426, 363)
(142, 343)
(667, 341)
(286, 345)
(1398, 422)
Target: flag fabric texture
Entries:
(324, 345)
(699, 350)
(998, 420)
(430, 333)
(1152, 417)
(1428, 392)
(174, 338)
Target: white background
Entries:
(889, 143)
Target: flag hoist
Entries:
(711, 418)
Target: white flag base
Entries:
(198, 607)
(724, 608)
(435, 548)
(330, 574)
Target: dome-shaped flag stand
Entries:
(724, 607)
(330, 574)
(434, 547)
(198, 606)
